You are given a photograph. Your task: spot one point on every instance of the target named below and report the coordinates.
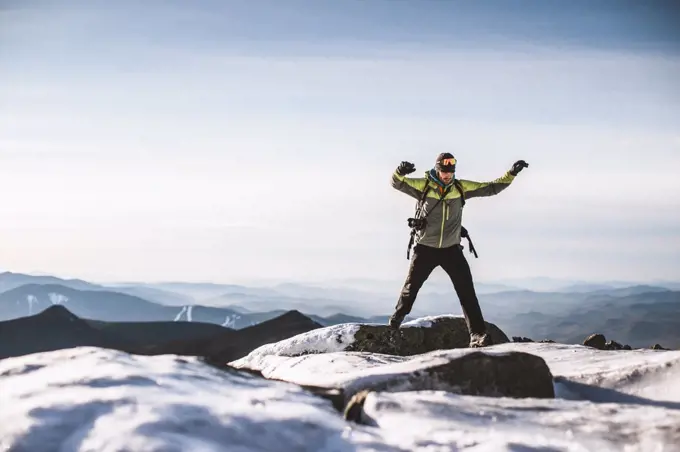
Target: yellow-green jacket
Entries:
(444, 222)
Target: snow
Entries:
(90, 399)
(185, 310)
(230, 321)
(437, 420)
(57, 298)
(427, 321)
(181, 313)
(321, 340)
(652, 374)
(31, 299)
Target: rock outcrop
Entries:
(599, 342)
(485, 372)
(437, 333)
(595, 340)
(511, 374)
(658, 347)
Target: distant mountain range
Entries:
(57, 328)
(636, 315)
(629, 316)
(115, 307)
(112, 306)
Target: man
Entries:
(438, 239)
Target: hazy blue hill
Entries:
(110, 306)
(99, 305)
(9, 281)
(639, 320)
(102, 305)
(160, 296)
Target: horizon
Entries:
(438, 279)
(236, 141)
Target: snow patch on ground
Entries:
(652, 374)
(57, 298)
(436, 420)
(230, 321)
(427, 321)
(321, 340)
(31, 300)
(181, 313)
(90, 399)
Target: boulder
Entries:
(485, 372)
(613, 345)
(439, 333)
(658, 347)
(480, 373)
(596, 340)
(521, 339)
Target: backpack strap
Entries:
(418, 214)
(425, 190)
(459, 187)
(464, 232)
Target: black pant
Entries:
(425, 260)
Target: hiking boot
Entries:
(480, 340)
(395, 322)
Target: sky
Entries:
(244, 140)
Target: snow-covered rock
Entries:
(90, 399)
(579, 371)
(415, 337)
(441, 421)
(606, 400)
(334, 338)
(464, 371)
(607, 375)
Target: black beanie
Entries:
(447, 168)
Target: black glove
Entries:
(518, 166)
(405, 168)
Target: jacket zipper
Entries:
(444, 217)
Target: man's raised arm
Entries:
(411, 186)
(474, 189)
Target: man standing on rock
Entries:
(438, 232)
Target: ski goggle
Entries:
(447, 162)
